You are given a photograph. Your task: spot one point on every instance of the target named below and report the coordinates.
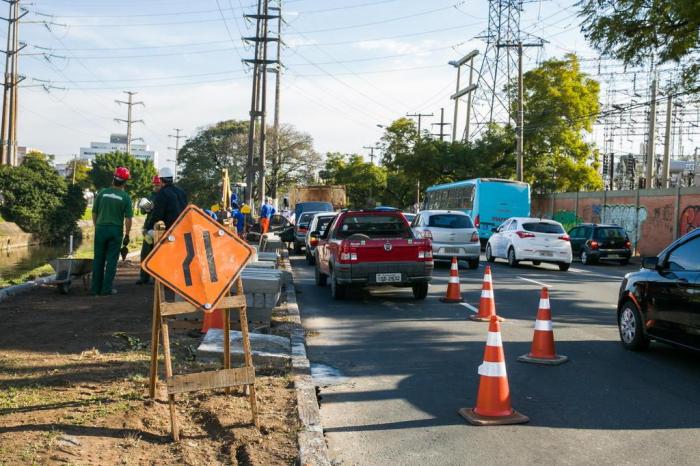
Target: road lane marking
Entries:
(604, 275)
(470, 307)
(536, 282)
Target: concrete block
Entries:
(269, 351)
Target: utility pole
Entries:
(419, 116)
(371, 152)
(651, 156)
(177, 138)
(75, 167)
(8, 133)
(520, 117)
(469, 58)
(276, 158)
(258, 97)
(667, 144)
(129, 121)
(442, 125)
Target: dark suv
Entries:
(662, 300)
(591, 243)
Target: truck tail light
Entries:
(427, 234)
(477, 222)
(565, 237)
(593, 244)
(425, 254)
(302, 229)
(524, 234)
(348, 256)
(474, 238)
(628, 244)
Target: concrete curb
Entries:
(312, 443)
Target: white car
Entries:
(530, 239)
(318, 224)
(452, 233)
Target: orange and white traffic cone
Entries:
(213, 319)
(542, 350)
(493, 405)
(487, 303)
(453, 295)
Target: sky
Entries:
(350, 65)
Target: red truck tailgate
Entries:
(389, 250)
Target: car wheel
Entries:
(563, 266)
(629, 322)
(297, 248)
(473, 264)
(512, 261)
(420, 290)
(320, 277)
(585, 258)
(536, 262)
(624, 262)
(337, 290)
(309, 258)
(489, 254)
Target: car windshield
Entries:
(610, 233)
(450, 221)
(305, 219)
(375, 226)
(543, 227)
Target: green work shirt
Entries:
(111, 206)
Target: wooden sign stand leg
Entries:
(248, 356)
(165, 331)
(155, 326)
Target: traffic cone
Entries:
(213, 319)
(453, 295)
(542, 350)
(487, 304)
(493, 399)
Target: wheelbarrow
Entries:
(69, 269)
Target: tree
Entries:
(561, 105)
(38, 200)
(81, 177)
(636, 31)
(364, 181)
(142, 173)
(298, 161)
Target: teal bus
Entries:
(489, 201)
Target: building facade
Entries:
(117, 143)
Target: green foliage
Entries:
(82, 174)
(561, 105)
(225, 145)
(365, 182)
(634, 31)
(38, 199)
(142, 173)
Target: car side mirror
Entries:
(651, 263)
(494, 230)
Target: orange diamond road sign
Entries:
(198, 258)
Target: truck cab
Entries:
(373, 248)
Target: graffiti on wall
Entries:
(568, 219)
(690, 219)
(625, 215)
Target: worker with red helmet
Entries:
(111, 215)
(146, 207)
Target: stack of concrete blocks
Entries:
(262, 284)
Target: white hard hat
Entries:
(166, 172)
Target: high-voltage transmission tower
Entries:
(129, 119)
(258, 101)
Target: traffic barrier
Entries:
(487, 303)
(493, 405)
(453, 295)
(213, 319)
(542, 350)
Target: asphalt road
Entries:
(410, 365)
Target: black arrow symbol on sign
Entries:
(188, 259)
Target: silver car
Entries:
(318, 224)
(452, 233)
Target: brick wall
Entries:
(652, 217)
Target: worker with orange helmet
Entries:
(111, 215)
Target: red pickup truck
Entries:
(372, 248)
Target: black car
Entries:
(662, 301)
(591, 243)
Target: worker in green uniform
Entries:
(111, 215)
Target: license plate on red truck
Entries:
(388, 278)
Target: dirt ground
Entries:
(73, 389)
